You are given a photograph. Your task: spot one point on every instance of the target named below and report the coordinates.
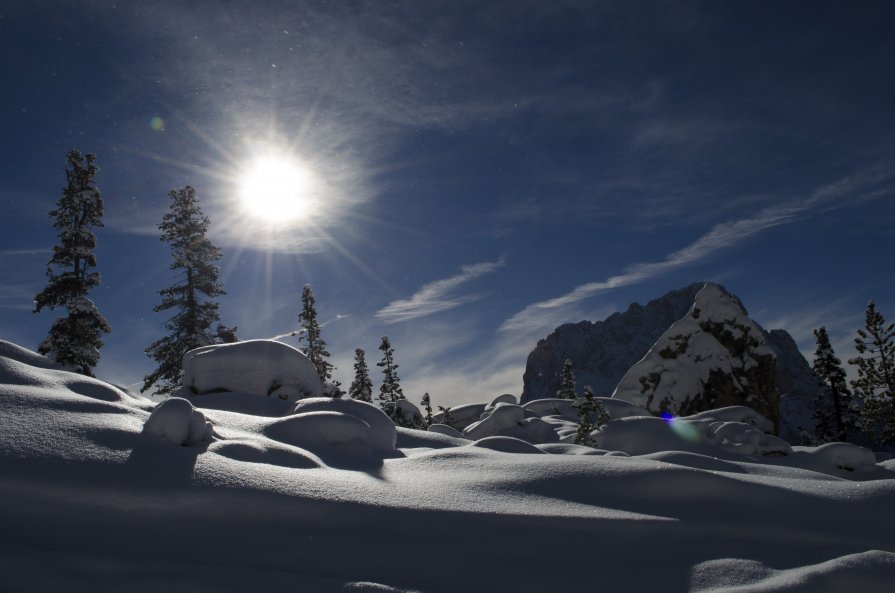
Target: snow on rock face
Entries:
(602, 351)
(382, 432)
(176, 420)
(263, 367)
(715, 356)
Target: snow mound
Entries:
(507, 445)
(446, 430)
(321, 431)
(25, 356)
(270, 453)
(243, 403)
(503, 417)
(616, 408)
(864, 571)
(844, 456)
(177, 421)
(382, 431)
(263, 367)
(463, 415)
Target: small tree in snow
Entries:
(390, 390)
(74, 341)
(567, 388)
(183, 229)
(446, 417)
(591, 415)
(833, 416)
(426, 402)
(315, 347)
(876, 374)
(362, 387)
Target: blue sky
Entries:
(482, 172)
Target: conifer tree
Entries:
(876, 374)
(390, 390)
(315, 348)
(362, 387)
(426, 402)
(183, 228)
(446, 417)
(74, 341)
(832, 423)
(591, 415)
(567, 388)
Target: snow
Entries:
(177, 421)
(95, 495)
(261, 367)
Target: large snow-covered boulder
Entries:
(462, 416)
(263, 367)
(715, 356)
(404, 413)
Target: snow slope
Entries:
(326, 498)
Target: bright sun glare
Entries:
(276, 190)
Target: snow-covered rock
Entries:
(501, 418)
(844, 456)
(382, 430)
(463, 415)
(176, 420)
(715, 356)
(263, 367)
(404, 413)
(446, 430)
(507, 445)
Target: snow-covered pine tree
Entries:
(833, 416)
(876, 374)
(426, 402)
(591, 415)
(567, 388)
(74, 341)
(390, 390)
(183, 229)
(315, 347)
(362, 387)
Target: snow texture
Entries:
(262, 367)
(317, 501)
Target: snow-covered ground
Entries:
(104, 490)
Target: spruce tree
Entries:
(567, 388)
(315, 348)
(591, 415)
(183, 229)
(74, 341)
(833, 415)
(446, 417)
(876, 374)
(362, 387)
(426, 402)
(390, 390)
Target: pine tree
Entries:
(591, 415)
(876, 374)
(183, 229)
(832, 424)
(567, 388)
(390, 390)
(315, 348)
(446, 417)
(74, 341)
(426, 402)
(362, 387)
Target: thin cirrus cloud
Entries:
(721, 236)
(437, 296)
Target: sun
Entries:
(277, 190)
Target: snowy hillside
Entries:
(102, 490)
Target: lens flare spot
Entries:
(157, 123)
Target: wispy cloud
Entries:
(721, 236)
(437, 296)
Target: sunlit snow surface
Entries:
(319, 500)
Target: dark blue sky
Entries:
(485, 171)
